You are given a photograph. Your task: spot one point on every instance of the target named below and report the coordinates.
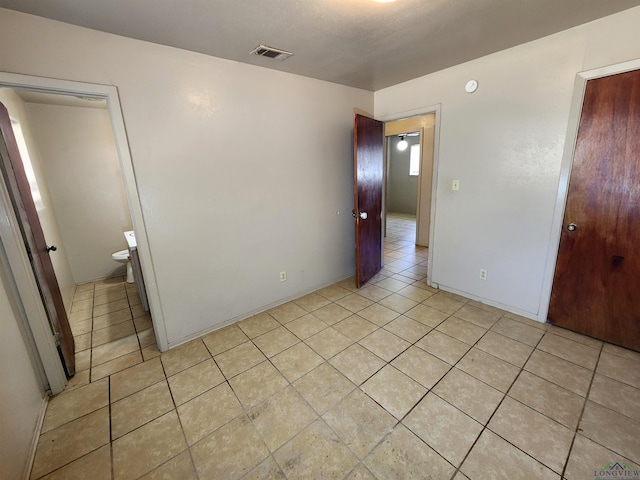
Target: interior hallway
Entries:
(396, 380)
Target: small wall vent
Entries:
(271, 52)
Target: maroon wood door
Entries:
(368, 162)
(596, 288)
(35, 243)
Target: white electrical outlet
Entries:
(483, 274)
(455, 185)
(283, 276)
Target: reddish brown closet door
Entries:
(596, 288)
(368, 178)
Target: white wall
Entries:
(402, 190)
(505, 144)
(82, 171)
(47, 212)
(21, 396)
(241, 170)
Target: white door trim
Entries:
(437, 109)
(110, 94)
(565, 173)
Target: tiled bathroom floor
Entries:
(393, 381)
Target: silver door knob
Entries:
(363, 215)
(572, 227)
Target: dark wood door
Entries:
(35, 243)
(596, 288)
(368, 162)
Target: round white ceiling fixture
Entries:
(471, 86)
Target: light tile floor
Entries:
(392, 381)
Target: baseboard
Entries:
(36, 438)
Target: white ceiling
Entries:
(359, 43)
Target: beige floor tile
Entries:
(395, 391)
(239, 449)
(611, 430)
(357, 363)
(539, 436)
(443, 346)
(150, 352)
(518, 331)
(238, 359)
(257, 384)
(78, 380)
(444, 303)
(391, 284)
(147, 338)
(134, 299)
(473, 397)
(116, 365)
(258, 324)
(138, 311)
(81, 327)
(287, 312)
(312, 302)
(384, 344)
(110, 307)
(360, 422)
(427, 315)
(559, 371)
(398, 303)
(296, 361)
(75, 403)
(569, 350)
(135, 410)
(113, 318)
(617, 396)
(82, 341)
(143, 323)
(114, 349)
(83, 360)
(489, 369)
(355, 327)
(95, 465)
(378, 314)
(109, 296)
(71, 441)
(195, 380)
(548, 398)
(354, 302)
(414, 293)
(374, 293)
(179, 467)
(275, 341)
(484, 306)
(461, 330)
(403, 455)
(207, 412)
(185, 356)
(147, 447)
(494, 458)
(407, 328)
(576, 337)
(348, 283)
(224, 339)
(268, 469)
(281, 417)
(80, 316)
(306, 326)
(135, 379)
(332, 313)
(505, 348)
(81, 305)
(421, 366)
(323, 387)
(114, 332)
(621, 352)
(333, 292)
(527, 321)
(328, 342)
(479, 316)
(623, 369)
(443, 427)
(316, 453)
(588, 457)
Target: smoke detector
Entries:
(270, 52)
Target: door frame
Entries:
(437, 110)
(110, 94)
(571, 138)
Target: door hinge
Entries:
(57, 337)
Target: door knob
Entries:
(363, 215)
(52, 248)
(572, 227)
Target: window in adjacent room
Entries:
(414, 161)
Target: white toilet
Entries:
(123, 257)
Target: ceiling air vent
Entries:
(271, 52)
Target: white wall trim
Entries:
(110, 93)
(565, 173)
(437, 109)
(35, 439)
